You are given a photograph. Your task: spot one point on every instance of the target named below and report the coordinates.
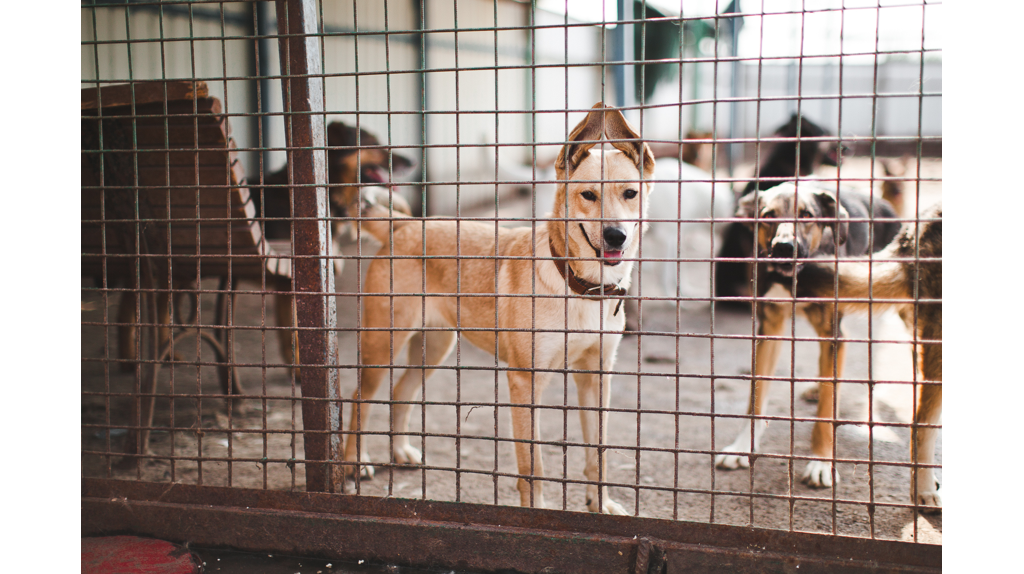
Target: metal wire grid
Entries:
(227, 16)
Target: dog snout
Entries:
(783, 250)
(614, 237)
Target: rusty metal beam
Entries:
(477, 537)
(314, 277)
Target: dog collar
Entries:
(582, 286)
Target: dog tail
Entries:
(385, 212)
(867, 284)
(872, 285)
(887, 279)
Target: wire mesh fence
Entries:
(294, 213)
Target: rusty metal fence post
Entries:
(303, 87)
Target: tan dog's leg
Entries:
(772, 319)
(819, 473)
(595, 391)
(929, 410)
(375, 350)
(525, 389)
(439, 346)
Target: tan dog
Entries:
(586, 247)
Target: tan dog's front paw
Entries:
(818, 474)
(365, 470)
(407, 454)
(608, 506)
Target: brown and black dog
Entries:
(353, 157)
(793, 224)
(732, 278)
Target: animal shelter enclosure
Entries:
(440, 283)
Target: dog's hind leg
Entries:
(594, 392)
(820, 473)
(439, 345)
(766, 354)
(929, 410)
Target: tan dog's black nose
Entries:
(614, 237)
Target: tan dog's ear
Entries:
(617, 127)
(832, 209)
(589, 131)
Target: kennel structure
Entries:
(223, 283)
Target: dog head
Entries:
(598, 207)
(794, 222)
(354, 156)
(812, 153)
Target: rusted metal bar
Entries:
(432, 534)
(314, 277)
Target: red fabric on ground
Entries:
(134, 555)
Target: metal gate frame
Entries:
(481, 537)
(425, 533)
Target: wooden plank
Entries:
(182, 134)
(212, 237)
(178, 212)
(179, 176)
(179, 159)
(182, 158)
(184, 269)
(162, 156)
(182, 112)
(154, 114)
(158, 195)
(145, 92)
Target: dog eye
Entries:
(629, 193)
(589, 196)
(770, 214)
(806, 213)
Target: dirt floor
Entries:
(676, 403)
